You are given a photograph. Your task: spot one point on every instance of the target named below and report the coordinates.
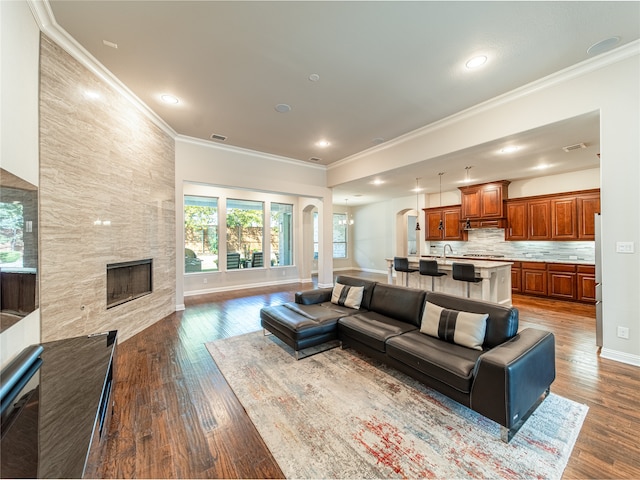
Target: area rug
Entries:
(338, 414)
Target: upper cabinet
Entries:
(443, 223)
(484, 201)
(483, 205)
(566, 216)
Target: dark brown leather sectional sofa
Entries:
(504, 380)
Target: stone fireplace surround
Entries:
(107, 195)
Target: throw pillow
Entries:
(347, 295)
(462, 328)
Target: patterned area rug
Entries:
(338, 414)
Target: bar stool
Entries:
(465, 272)
(401, 264)
(430, 268)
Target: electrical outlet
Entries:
(623, 332)
(204, 280)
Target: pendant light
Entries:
(440, 224)
(417, 210)
(349, 217)
(467, 224)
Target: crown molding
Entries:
(43, 15)
(580, 69)
(247, 151)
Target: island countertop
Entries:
(495, 285)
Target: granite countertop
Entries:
(576, 261)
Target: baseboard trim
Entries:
(621, 357)
(245, 286)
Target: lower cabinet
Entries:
(564, 281)
(561, 281)
(586, 283)
(534, 278)
(516, 277)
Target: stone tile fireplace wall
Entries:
(106, 196)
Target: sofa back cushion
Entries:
(402, 303)
(359, 282)
(347, 295)
(453, 326)
(502, 323)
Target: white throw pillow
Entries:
(347, 295)
(462, 328)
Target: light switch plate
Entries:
(624, 247)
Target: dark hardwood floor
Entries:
(176, 417)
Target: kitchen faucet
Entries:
(444, 251)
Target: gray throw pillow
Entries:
(462, 328)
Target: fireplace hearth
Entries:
(127, 281)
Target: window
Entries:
(412, 237)
(339, 235)
(200, 234)
(315, 235)
(245, 230)
(281, 234)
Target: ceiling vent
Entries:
(315, 159)
(577, 146)
(221, 138)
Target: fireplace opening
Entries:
(127, 281)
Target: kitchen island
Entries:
(494, 287)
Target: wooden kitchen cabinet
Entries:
(517, 220)
(516, 277)
(561, 280)
(484, 201)
(564, 222)
(587, 206)
(451, 222)
(539, 217)
(586, 283)
(568, 216)
(534, 278)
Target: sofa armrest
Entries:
(318, 295)
(511, 377)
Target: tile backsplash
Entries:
(492, 242)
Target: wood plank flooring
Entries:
(176, 417)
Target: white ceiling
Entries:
(385, 69)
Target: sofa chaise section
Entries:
(312, 318)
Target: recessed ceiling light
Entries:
(510, 149)
(603, 45)
(542, 166)
(107, 43)
(377, 181)
(323, 143)
(283, 108)
(314, 77)
(378, 140)
(166, 98)
(476, 62)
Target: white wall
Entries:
(19, 47)
(608, 84)
(208, 163)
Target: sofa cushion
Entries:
(448, 363)
(402, 303)
(463, 328)
(502, 323)
(300, 321)
(347, 295)
(359, 282)
(371, 329)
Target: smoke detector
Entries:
(577, 146)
